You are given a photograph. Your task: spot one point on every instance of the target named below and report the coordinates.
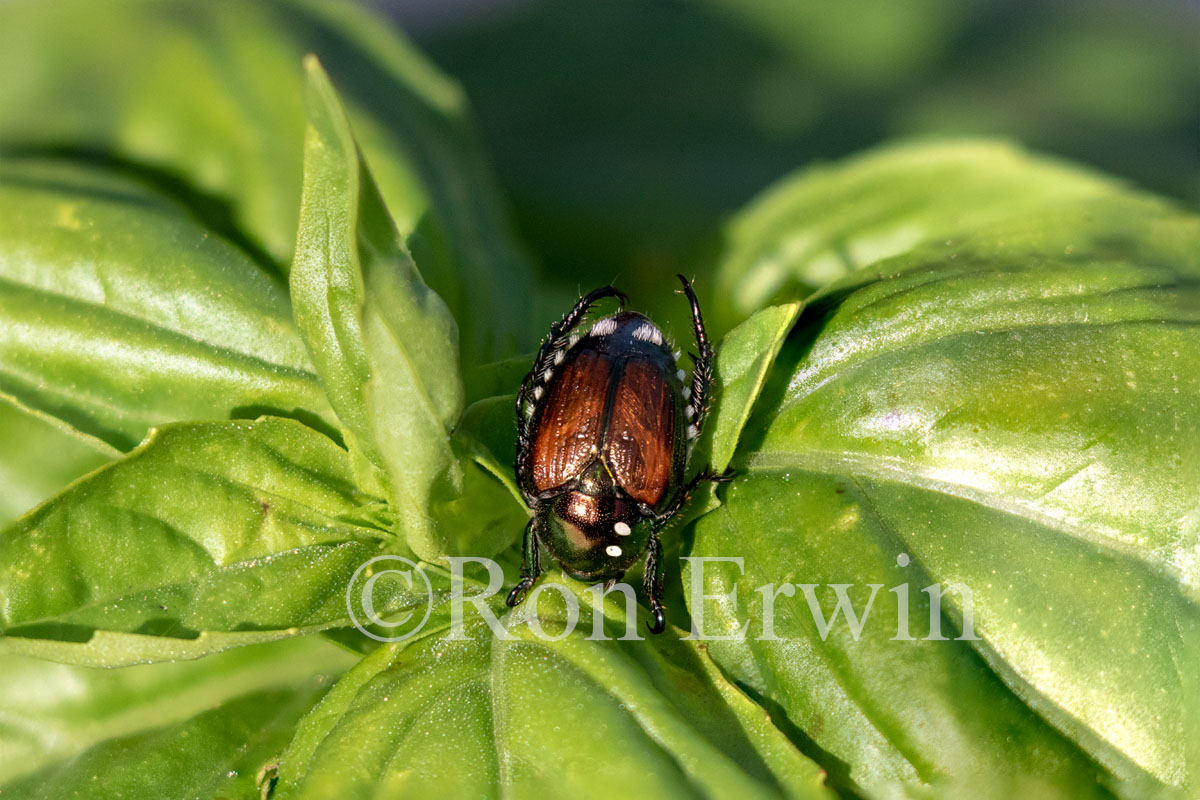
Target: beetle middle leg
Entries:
(652, 584)
(531, 566)
(685, 493)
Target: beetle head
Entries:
(593, 536)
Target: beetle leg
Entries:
(542, 364)
(702, 369)
(531, 566)
(652, 583)
(685, 493)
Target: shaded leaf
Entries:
(55, 719)
(41, 455)
(209, 756)
(491, 513)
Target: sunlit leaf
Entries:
(743, 362)
(206, 537)
(118, 312)
(209, 106)
(384, 344)
(536, 718)
(1012, 411)
(829, 221)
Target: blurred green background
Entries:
(625, 131)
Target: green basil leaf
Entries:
(886, 714)
(41, 455)
(486, 518)
(743, 361)
(1013, 412)
(491, 514)
(535, 718)
(827, 222)
(118, 312)
(384, 344)
(209, 105)
(58, 719)
(206, 537)
(487, 432)
(216, 754)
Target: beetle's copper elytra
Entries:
(606, 420)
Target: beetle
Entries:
(606, 422)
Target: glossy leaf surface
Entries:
(118, 312)
(385, 345)
(209, 105)
(206, 537)
(1011, 411)
(70, 729)
(474, 715)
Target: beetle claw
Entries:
(660, 621)
(518, 592)
(724, 477)
(686, 284)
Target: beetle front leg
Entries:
(698, 392)
(534, 384)
(531, 566)
(652, 583)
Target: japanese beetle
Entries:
(606, 421)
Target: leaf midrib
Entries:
(165, 332)
(889, 470)
(807, 382)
